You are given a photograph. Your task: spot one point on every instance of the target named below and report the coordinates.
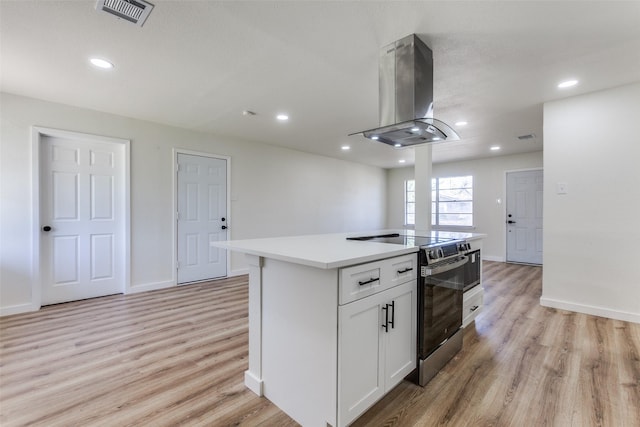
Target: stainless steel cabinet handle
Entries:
(393, 314)
(405, 270)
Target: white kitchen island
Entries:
(332, 322)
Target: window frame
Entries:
(407, 203)
(435, 204)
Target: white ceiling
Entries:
(199, 64)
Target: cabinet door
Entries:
(400, 341)
(360, 366)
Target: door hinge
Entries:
(177, 265)
(178, 216)
(177, 167)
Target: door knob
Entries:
(511, 222)
(223, 219)
(224, 227)
(46, 228)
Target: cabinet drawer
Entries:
(363, 280)
(472, 304)
(401, 269)
(360, 281)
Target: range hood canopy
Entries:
(406, 97)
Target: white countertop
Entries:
(329, 251)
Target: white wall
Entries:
(274, 191)
(591, 234)
(488, 186)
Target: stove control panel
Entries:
(433, 254)
(464, 247)
(444, 251)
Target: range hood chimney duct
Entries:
(406, 97)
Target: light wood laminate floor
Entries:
(177, 357)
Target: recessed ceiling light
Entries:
(415, 129)
(345, 148)
(397, 145)
(461, 123)
(401, 161)
(101, 63)
(494, 148)
(282, 117)
(567, 83)
(374, 137)
(436, 138)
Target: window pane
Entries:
(451, 201)
(411, 219)
(456, 182)
(456, 207)
(456, 194)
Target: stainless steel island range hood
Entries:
(406, 97)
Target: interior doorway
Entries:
(83, 215)
(524, 216)
(202, 217)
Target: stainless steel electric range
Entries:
(440, 293)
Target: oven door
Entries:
(440, 311)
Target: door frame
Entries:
(37, 135)
(177, 151)
(504, 204)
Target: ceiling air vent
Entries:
(135, 11)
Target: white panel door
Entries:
(524, 216)
(202, 210)
(360, 356)
(82, 217)
(400, 355)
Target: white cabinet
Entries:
(472, 304)
(472, 301)
(324, 357)
(376, 334)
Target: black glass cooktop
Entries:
(402, 239)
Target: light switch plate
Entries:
(562, 188)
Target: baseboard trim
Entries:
(592, 310)
(253, 383)
(492, 258)
(18, 309)
(150, 287)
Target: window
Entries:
(410, 202)
(451, 202)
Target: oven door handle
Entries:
(426, 271)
